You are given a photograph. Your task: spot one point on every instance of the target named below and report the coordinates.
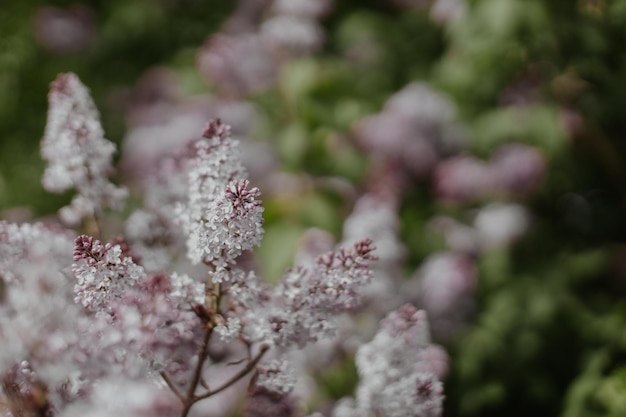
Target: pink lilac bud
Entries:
(215, 128)
(77, 153)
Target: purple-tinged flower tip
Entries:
(243, 200)
(89, 249)
(215, 128)
(349, 258)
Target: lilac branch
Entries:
(190, 398)
(172, 387)
(243, 372)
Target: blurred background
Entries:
(491, 132)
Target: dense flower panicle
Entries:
(102, 273)
(303, 305)
(343, 274)
(222, 217)
(150, 328)
(77, 153)
(394, 381)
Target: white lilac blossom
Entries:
(394, 378)
(78, 155)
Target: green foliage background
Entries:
(549, 334)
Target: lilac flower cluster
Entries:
(84, 321)
(78, 155)
(396, 379)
